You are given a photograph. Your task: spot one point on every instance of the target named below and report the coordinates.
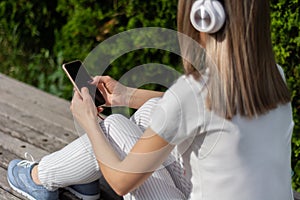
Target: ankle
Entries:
(34, 175)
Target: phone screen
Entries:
(80, 77)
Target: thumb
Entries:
(85, 93)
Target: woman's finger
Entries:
(100, 109)
(100, 79)
(96, 80)
(76, 95)
(85, 93)
(103, 89)
(104, 79)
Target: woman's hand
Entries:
(83, 109)
(115, 93)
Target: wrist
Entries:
(128, 100)
(92, 126)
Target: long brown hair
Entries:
(244, 78)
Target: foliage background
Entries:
(36, 37)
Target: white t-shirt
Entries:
(240, 159)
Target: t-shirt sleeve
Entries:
(281, 72)
(178, 114)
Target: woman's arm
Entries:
(144, 158)
(138, 97)
(127, 174)
(117, 94)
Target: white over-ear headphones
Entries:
(207, 16)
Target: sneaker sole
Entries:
(20, 191)
(82, 196)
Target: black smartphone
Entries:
(80, 78)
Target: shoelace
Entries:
(26, 163)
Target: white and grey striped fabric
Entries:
(76, 163)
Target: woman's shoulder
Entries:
(187, 84)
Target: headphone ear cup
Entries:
(220, 15)
(207, 16)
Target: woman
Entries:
(230, 117)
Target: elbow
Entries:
(116, 180)
(120, 186)
(121, 182)
(120, 191)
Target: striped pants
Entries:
(76, 163)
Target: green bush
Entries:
(27, 38)
(90, 22)
(36, 37)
